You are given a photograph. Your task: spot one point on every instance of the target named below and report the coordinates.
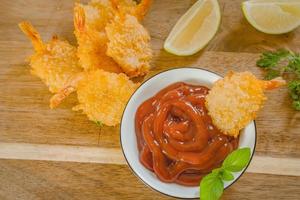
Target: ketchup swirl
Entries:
(176, 137)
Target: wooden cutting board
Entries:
(35, 141)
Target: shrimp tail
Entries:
(142, 9)
(33, 35)
(60, 96)
(273, 84)
(79, 18)
(114, 4)
(138, 11)
(70, 87)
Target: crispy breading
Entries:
(69, 87)
(98, 13)
(103, 96)
(53, 62)
(129, 45)
(89, 21)
(92, 45)
(235, 100)
(93, 41)
(102, 89)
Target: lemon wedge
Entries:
(273, 16)
(194, 29)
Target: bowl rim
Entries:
(128, 164)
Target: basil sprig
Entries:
(212, 185)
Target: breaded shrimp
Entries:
(92, 45)
(129, 45)
(53, 62)
(141, 9)
(102, 95)
(89, 22)
(235, 100)
(132, 8)
(69, 87)
(98, 13)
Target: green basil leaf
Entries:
(217, 171)
(226, 175)
(223, 174)
(237, 160)
(211, 187)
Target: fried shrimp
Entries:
(98, 13)
(132, 8)
(69, 87)
(110, 40)
(235, 100)
(92, 44)
(141, 9)
(102, 95)
(129, 45)
(53, 62)
(99, 36)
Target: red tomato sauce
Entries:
(176, 138)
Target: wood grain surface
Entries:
(59, 180)
(30, 131)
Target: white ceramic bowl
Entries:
(128, 137)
